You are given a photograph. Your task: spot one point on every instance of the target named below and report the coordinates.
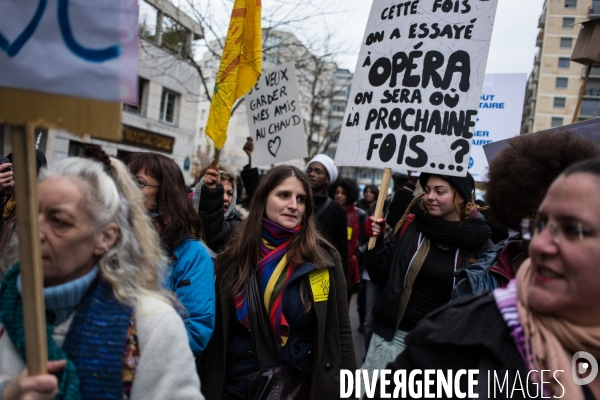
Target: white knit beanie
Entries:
(327, 163)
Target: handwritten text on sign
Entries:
(415, 93)
(275, 118)
(71, 47)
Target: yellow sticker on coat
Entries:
(319, 283)
(349, 233)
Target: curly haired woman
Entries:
(518, 180)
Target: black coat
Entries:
(388, 264)
(468, 333)
(400, 202)
(217, 229)
(333, 347)
(333, 224)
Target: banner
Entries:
(71, 47)
(415, 94)
(499, 118)
(275, 118)
(241, 65)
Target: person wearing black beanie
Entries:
(442, 231)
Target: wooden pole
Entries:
(581, 92)
(34, 318)
(385, 184)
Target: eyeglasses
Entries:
(142, 185)
(572, 232)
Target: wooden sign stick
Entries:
(581, 93)
(385, 184)
(34, 317)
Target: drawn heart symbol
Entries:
(274, 146)
(12, 49)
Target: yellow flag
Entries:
(241, 65)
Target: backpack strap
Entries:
(409, 219)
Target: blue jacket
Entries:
(191, 276)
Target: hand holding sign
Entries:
(212, 178)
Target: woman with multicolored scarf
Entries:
(540, 336)
(112, 330)
(303, 289)
(190, 274)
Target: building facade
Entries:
(555, 82)
(166, 117)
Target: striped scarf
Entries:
(274, 273)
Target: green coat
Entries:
(334, 347)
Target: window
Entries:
(566, 42)
(568, 22)
(75, 148)
(562, 82)
(564, 62)
(570, 3)
(559, 102)
(272, 43)
(142, 92)
(556, 122)
(167, 106)
(271, 58)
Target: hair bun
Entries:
(95, 152)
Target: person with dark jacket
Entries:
(403, 196)
(215, 198)
(369, 198)
(345, 192)
(300, 278)
(331, 216)
(443, 233)
(534, 330)
(518, 179)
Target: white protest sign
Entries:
(415, 93)
(499, 118)
(77, 48)
(275, 118)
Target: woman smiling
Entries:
(541, 321)
(441, 232)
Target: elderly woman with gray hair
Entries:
(113, 333)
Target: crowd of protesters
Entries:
(240, 288)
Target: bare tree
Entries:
(314, 56)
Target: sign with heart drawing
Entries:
(275, 117)
(71, 47)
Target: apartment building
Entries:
(555, 82)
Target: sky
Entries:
(512, 49)
(513, 40)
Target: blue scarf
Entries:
(95, 344)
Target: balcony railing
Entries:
(540, 39)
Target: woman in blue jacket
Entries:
(191, 273)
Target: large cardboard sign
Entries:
(275, 117)
(499, 118)
(415, 94)
(77, 48)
